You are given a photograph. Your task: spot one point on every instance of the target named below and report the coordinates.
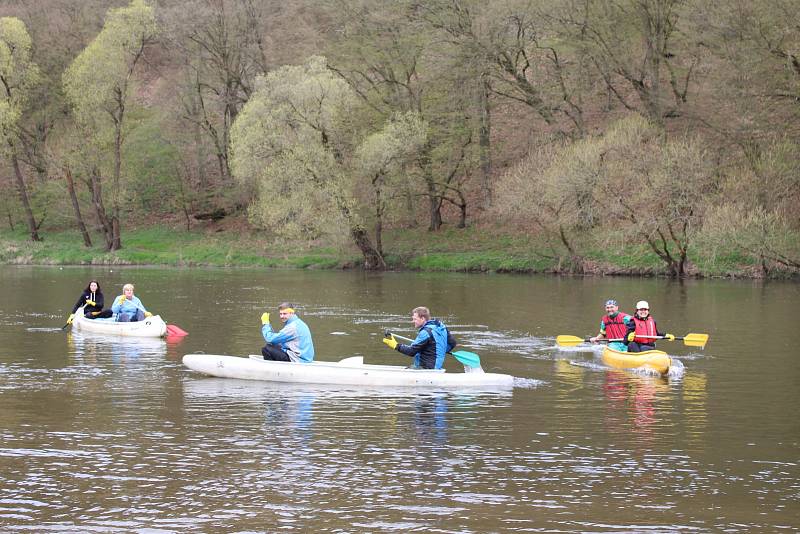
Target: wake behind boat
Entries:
(152, 326)
(349, 371)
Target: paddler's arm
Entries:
(600, 335)
(416, 346)
(451, 341)
(277, 338)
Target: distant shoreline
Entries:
(452, 250)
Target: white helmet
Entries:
(642, 304)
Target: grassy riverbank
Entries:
(468, 250)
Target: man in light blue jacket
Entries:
(127, 307)
(293, 343)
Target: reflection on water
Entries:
(121, 349)
(106, 434)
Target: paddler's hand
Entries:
(265, 318)
(669, 337)
(148, 314)
(91, 302)
(70, 318)
(594, 339)
(631, 337)
(390, 341)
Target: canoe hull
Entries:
(152, 326)
(350, 371)
(655, 360)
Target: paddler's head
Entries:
(127, 290)
(420, 315)
(642, 309)
(285, 311)
(612, 308)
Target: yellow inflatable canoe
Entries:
(651, 359)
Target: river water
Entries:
(115, 435)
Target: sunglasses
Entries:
(643, 309)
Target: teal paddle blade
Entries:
(470, 359)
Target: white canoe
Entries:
(349, 371)
(152, 326)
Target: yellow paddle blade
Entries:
(695, 340)
(569, 341)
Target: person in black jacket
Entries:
(433, 341)
(92, 301)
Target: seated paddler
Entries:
(614, 326)
(433, 341)
(292, 343)
(128, 308)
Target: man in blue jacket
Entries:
(432, 343)
(293, 343)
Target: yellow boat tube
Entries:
(656, 360)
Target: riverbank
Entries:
(457, 250)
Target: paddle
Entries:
(174, 330)
(69, 322)
(690, 340)
(571, 341)
(470, 359)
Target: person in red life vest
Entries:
(613, 325)
(642, 332)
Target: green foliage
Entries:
(18, 72)
(761, 235)
(102, 70)
(153, 161)
(290, 139)
(385, 153)
(294, 138)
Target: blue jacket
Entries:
(128, 306)
(294, 338)
(429, 348)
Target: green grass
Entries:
(463, 250)
(155, 246)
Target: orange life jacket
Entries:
(646, 327)
(616, 327)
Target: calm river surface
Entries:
(115, 435)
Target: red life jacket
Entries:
(616, 327)
(646, 327)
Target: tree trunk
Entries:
(116, 241)
(33, 228)
(434, 200)
(378, 216)
(373, 260)
(99, 208)
(484, 143)
(87, 241)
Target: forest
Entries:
(611, 136)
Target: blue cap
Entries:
(611, 302)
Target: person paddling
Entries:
(433, 341)
(643, 330)
(127, 307)
(91, 300)
(613, 325)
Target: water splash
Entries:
(528, 383)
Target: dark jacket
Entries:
(427, 352)
(97, 297)
(639, 326)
